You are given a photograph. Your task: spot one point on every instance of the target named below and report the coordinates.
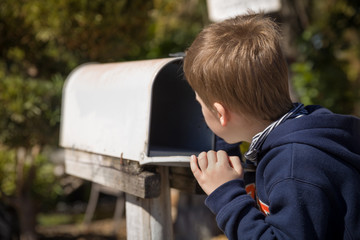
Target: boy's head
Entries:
(239, 63)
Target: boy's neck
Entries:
(257, 127)
(244, 128)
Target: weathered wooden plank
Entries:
(150, 219)
(110, 172)
(84, 165)
(119, 163)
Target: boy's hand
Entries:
(213, 169)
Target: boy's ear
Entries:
(222, 113)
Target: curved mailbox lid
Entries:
(106, 110)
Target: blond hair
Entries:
(239, 63)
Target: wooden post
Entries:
(150, 219)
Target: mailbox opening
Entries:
(177, 126)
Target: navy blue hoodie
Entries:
(307, 183)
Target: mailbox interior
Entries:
(177, 127)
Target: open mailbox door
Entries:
(140, 110)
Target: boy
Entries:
(307, 158)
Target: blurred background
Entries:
(41, 42)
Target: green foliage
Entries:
(55, 36)
(30, 111)
(46, 185)
(43, 38)
(8, 176)
(327, 70)
(59, 219)
(174, 25)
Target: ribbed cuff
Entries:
(224, 194)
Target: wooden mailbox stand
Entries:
(147, 188)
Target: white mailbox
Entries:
(139, 110)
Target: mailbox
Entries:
(139, 110)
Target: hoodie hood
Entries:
(338, 135)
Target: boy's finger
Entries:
(236, 163)
(202, 161)
(194, 166)
(222, 157)
(211, 158)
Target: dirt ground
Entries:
(96, 230)
(103, 227)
